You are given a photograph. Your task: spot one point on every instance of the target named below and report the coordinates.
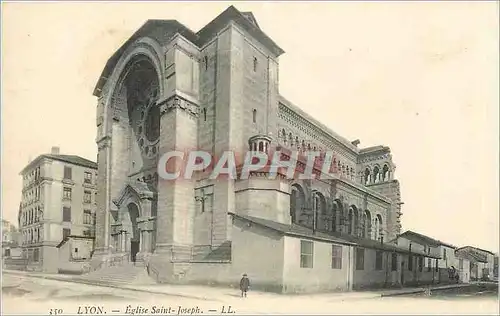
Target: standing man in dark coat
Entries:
(244, 285)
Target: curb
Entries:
(422, 290)
(110, 285)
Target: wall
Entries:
(255, 251)
(263, 198)
(321, 277)
(369, 276)
(418, 276)
(71, 262)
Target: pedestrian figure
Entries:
(244, 285)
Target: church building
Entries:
(169, 88)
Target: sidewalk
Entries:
(224, 294)
(416, 290)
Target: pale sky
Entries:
(420, 77)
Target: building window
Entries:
(36, 254)
(87, 177)
(444, 254)
(86, 233)
(87, 197)
(420, 264)
(360, 259)
(204, 114)
(66, 232)
(437, 267)
(378, 260)
(66, 214)
(254, 115)
(429, 265)
(306, 254)
(67, 173)
(336, 257)
(205, 62)
(76, 250)
(461, 264)
(394, 262)
(87, 217)
(67, 193)
(410, 263)
(255, 62)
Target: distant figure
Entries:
(457, 277)
(244, 285)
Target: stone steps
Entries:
(123, 274)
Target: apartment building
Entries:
(58, 200)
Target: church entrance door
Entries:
(134, 249)
(135, 238)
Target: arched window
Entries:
(320, 219)
(376, 175)
(367, 224)
(350, 221)
(379, 227)
(261, 146)
(385, 173)
(255, 62)
(375, 228)
(367, 176)
(297, 199)
(254, 115)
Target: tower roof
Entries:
(164, 30)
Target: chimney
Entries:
(356, 142)
(54, 150)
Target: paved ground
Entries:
(22, 293)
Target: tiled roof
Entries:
(64, 240)
(426, 240)
(477, 249)
(305, 232)
(71, 159)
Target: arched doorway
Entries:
(135, 234)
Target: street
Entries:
(29, 295)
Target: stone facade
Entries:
(168, 89)
(58, 200)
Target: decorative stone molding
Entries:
(146, 223)
(139, 189)
(104, 142)
(116, 228)
(303, 125)
(176, 102)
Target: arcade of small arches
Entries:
(320, 214)
(343, 169)
(377, 174)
